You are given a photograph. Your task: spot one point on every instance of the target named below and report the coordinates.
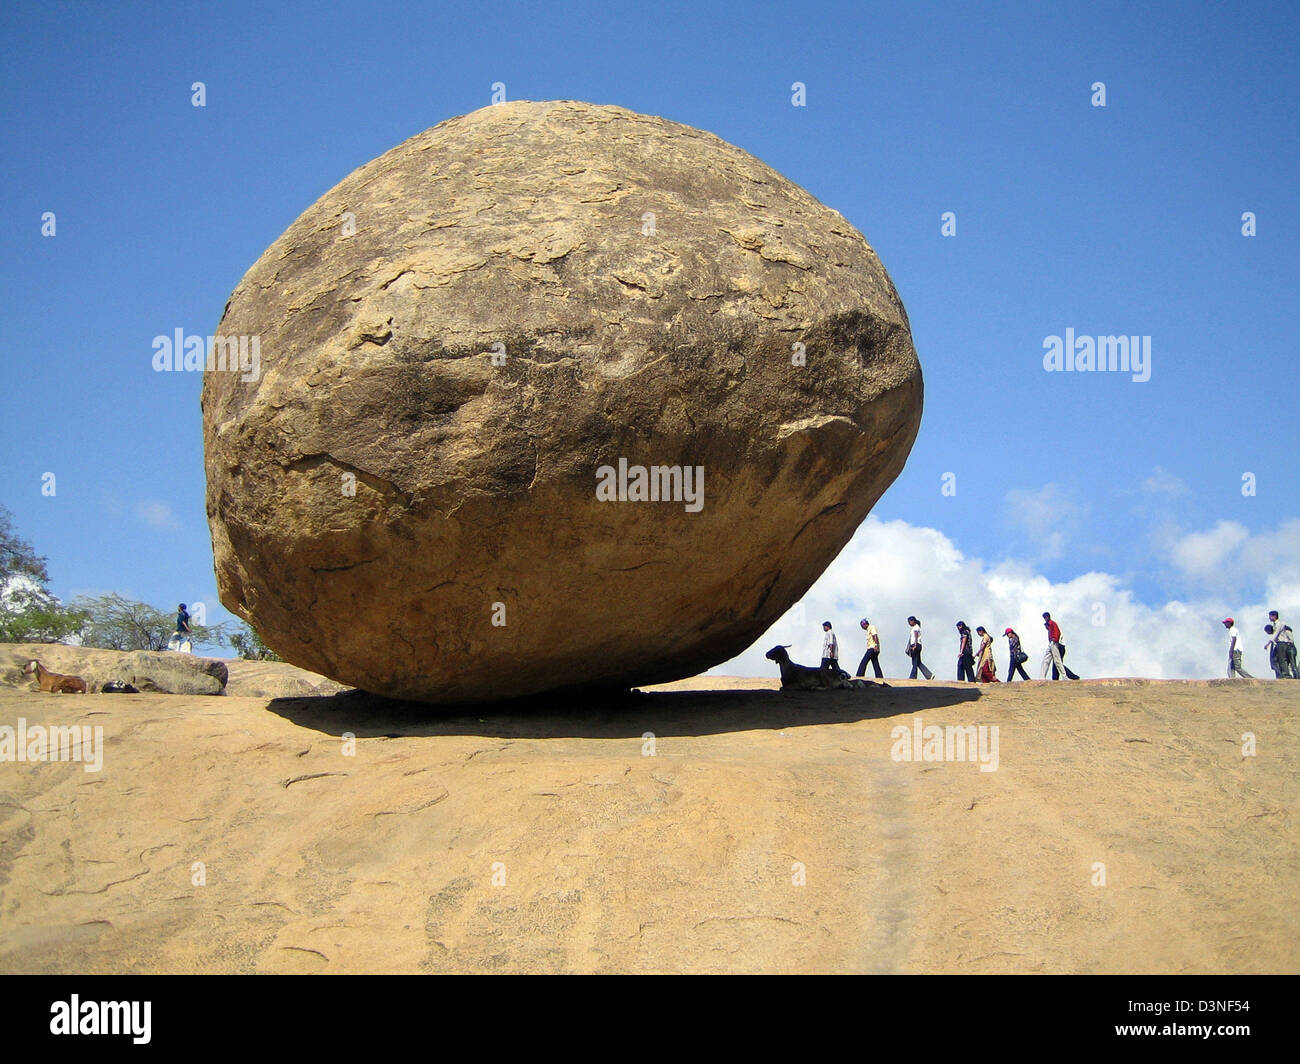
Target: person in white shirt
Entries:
(830, 648)
(873, 649)
(914, 650)
(1234, 651)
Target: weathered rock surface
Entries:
(384, 491)
(275, 679)
(162, 672)
(384, 861)
(173, 674)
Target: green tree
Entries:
(117, 623)
(248, 644)
(28, 612)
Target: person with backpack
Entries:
(1054, 659)
(914, 650)
(965, 656)
(873, 649)
(1018, 656)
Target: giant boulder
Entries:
(463, 345)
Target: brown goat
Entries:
(53, 682)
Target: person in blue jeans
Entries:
(965, 656)
(1017, 663)
(873, 650)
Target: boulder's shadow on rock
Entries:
(613, 714)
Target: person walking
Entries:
(914, 650)
(965, 656)
(1018, 656)
(1234, 651)
(1284, 642)
(873, 649)
(182, 638)
(1271, 647)
(987, 670)
(1054, 659)
(830, 649)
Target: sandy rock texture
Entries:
(220, 837)
(405, 500)
(275, 679)
(165, 672)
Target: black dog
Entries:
(806, 678)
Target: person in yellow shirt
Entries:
(873, 649)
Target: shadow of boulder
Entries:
(613, 714)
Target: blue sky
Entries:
(1117, 220)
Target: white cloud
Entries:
(891, 569)
(1162, 482)
(1204, 554)
(1046, 515)
(1273, 557)
(1228, 557)
(158, 514)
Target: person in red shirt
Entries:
(1052, 660)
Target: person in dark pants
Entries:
(965, 656)
(914, 650)
(830, 649)
(873, 650)
(1271, 647)
(1018, 656)
(1284, 641)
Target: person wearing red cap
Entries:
(1234, 651)
(1018, 656)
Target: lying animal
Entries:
(805, 678)
(53, 682)
(119, 687)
